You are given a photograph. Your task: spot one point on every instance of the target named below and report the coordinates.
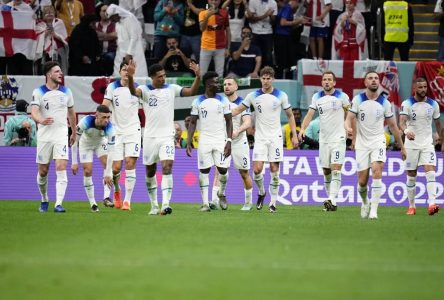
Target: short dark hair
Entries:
(153, 69)
(419, 79)
(328, 72)
(209, 75)
(123, 63)
(267, 70)
(21, 105)
(369, 72)
(103, 109)
(47, 66)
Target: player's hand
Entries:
(410, 135)
(195, 68)
(301, 135)
(131, 68)
(128, 57)
(227, 149)
(72, 139)
(295, 142)
(108, 180)
(189, 150)
(47, 121)
(74, 168)
(235, 134)
(403, 153)
(352, 146)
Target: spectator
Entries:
(179, 142)
(18, 63)
(89, 6)
(129, 40)
(20, 130)
(168, 17)
(196, 134)
(286, 130)
(368, 10)
(237, 10)
(175, 62)
(397, 34)
(106, 32)
(52, 39)
(261, 15)
(313, 129)
(246, 57)
(349, 39)
(84, 48)
(284, 46)
(318, 13)
(216, 37)
(190, 37)
(70, 11)
(439, 11)
(337, 7)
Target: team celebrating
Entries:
(114, 134)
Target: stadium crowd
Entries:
(88, 37)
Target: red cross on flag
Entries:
(350, 77)
(17, 34)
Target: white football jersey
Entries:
(268, 109)
(237, 120)
(211, 113)
(331, 115)
(54, 104)
(419, 120)
(125, 108)
(370, 116)
(158, 105)
(90, 136)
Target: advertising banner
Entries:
(302, 182)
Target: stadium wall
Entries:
(301, 180)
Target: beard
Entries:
(228, 93)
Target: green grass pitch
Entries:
(298, 253)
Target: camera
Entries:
(23, 134)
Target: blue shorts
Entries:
(319, 32)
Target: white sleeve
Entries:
(436, 113)
(70, 98)
(345, 100)
(313, 103)
(284, 98)
(405, 108)
(177, 90)
(109, 93)
(194, 108)
(355, 106)
(247, 101)
(388, 109)
(36, 97)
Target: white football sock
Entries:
(376, 194)
(167, 188)
(151, 185)
(248, 194)
(259, 179)
(89, 189)
(214, 192)
(106, 189)
(327, 182)
(411, 190)
(431, 186)
(223, 178)
(61, 184)
(335, 185)
(42, 183)
(274, 187)
(204, 181)
(130, 182)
